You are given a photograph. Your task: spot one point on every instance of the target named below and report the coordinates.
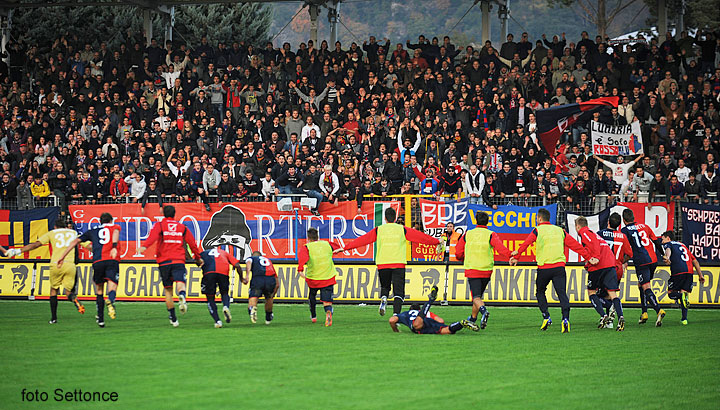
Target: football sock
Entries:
(71, 297)
(684, 312)
(618, 306)
(546, 315)
(607, 303)
(172, 314)
(225, 300)
(473, 318)
(313, 303)
(249, 310)
(455, 327)
(397, 305)
(643, 302)
(111, 296)
(53, 307)
(212, 307)
(268, 316)
(328, 308)
(651, 299)
(483, 310)
(597, 304)
(181, 293)
(100, 303)
(425, 309)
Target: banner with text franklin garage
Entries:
(248, 226)
(701, 231)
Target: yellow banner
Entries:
(359, 283)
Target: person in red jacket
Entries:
(171, 237)
(118, 187)
(601, 275)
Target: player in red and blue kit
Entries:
(421, 321)
(171, 237)
(682, 262)
(645, 246)
(263, 283)
(216, 264)
(602, 274)
(623, 252)
(106, 263)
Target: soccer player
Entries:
(216, 264)
(552, 243)
(58, 239)
(601, 275)
(419, 320)
(263, 283)
(392, 239)
(476, 248)
(645, 246)
(106, 263)
(623, 253)
(320, 273)
(681, 262)
(171, 237)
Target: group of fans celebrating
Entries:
(606, 252)
(91, 123)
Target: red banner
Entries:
(247, 226)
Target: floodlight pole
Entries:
(485, 21)
(6, 24)
(333, 13)
(147, 26)
(503, 14)
(314, 11)
(662, 26)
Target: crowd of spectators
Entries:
(233, 122)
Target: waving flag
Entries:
(553, 121)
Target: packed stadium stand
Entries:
(86, 124)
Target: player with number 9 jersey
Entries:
(102, 244)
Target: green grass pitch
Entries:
(358, 362)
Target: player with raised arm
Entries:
(216, 264)
(264, 282)
(602, 275)
(645, 246)
(421, 321)
(476, 248)
(171, 237)
(58, 239)
(623, 253)
(106, 263)
(552, 243)
(317, 257)
(392, 240)
(682, 262)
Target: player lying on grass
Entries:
(106, 263)
(59, 239)
(601, 275)
(681, 262)
(216, 264)
(263, 283)
(420, 321)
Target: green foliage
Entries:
(220, 22)
(358, 363)
(698, 13)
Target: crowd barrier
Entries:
(356, 283)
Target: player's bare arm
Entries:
(69, 249)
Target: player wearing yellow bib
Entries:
(315, 264)
(391, 241)
(59, 239)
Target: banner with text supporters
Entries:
(356, 283)
(19, 228)
(616, 140)
(435, 216)
(249, 226)
(659, 216)
(701, 231)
